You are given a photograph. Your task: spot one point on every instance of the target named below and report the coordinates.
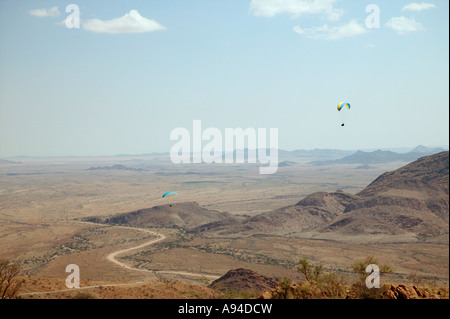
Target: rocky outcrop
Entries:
(186, 215)
(413, 292)
(307, 291)
(243, 280)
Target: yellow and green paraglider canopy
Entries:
(342, 105)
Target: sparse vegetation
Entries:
(360, 289)
(331, 285)
(321, 284)
(236, 294)
(44, 245)
(415, 279)
(284, 292)
(9, 283)
(311, 273)
(84, 295)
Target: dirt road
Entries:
(112, 257)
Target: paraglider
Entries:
(341, 106)
(167, 193)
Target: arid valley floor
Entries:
(44, 200)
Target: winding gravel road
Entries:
(112, 257)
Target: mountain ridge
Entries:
(183, 215)
(408, 204)
(381, 157)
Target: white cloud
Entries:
(418, 6)
(404, 25)
(351, 29)
(42, 13)
(131, 22)
(270, 8)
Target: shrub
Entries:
(84, 295)
(9, 284)
(321, 284)
(359, 289)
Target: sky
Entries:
(133, 71)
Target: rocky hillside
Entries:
(243, 281)
(304, 290)
(380, 157)
(408, 204)
(177, 215)
(412, 201)
(309, 213)
(429, 175)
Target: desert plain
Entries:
(43, 202)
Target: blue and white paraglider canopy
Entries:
(168, 193)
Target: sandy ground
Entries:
(41, 198)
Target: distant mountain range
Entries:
(3, 161)
(115, 167)
(314, 156)
(381, 157)
(335, 156)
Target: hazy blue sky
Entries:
(135, 70)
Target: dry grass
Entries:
(151, 289)
(40, 199)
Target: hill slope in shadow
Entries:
(184, 215)
(408, 204)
